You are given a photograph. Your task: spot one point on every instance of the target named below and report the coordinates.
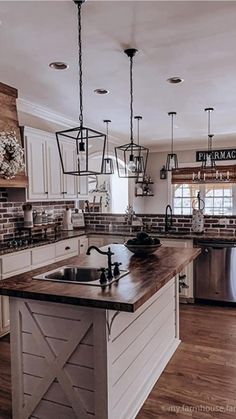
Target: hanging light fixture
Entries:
(86, 141)
(172, 159)
(140, 161)
(129, 155)
(108, 168)
(208, 172)
(209, 161)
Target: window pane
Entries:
(218, 198)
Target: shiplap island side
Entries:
(80, 351)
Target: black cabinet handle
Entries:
(67, 248)
(81, 245)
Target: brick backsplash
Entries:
(11, 214)
(156, 223)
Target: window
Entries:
(183, 196)
(218, 198)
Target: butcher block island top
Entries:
(146, 276)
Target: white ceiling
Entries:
(191, 39)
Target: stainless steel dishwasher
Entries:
(215, 271)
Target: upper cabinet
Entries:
(46, 180)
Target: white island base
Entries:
(74, 362)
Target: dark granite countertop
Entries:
(170, 235)
(146, 276)
(62, 235)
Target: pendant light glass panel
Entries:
(172, 158)
(208, 161)
(141, 161)
(128, 156)
(108, 167)
(77, 146)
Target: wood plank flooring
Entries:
(200, 380)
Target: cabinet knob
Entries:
(81, 245)
(46, 193)
(67, 248)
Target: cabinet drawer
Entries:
(43, 255)
(83, 245)
(16, 263)
(67, 247)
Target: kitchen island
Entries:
(82, 351)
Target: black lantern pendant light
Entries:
(85, 141)
(209, 161)
(129, 155)
(141, 161)
(108, 168)
(172, 159)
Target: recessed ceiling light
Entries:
(59, 65)
(101, 91)
(175, 80)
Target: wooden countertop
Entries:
(146, 277)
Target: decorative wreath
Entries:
(11, 155)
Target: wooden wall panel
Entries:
(8, 110)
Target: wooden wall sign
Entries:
(223, 154)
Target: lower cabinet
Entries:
(186, 276)
(83, 245)
(26, 260)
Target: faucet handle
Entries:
(116, 271)
(103, 276)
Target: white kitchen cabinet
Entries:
(36, 161)
(83, 245)
(46, 180)
(26, 260)
(11, 265)
(187, 273)
(70, 189)
(83, 187)
(15, 263)
(4, 316)
(55, 178)
(67, 248)
(43, 255)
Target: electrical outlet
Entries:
(225, 221)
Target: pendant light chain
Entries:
(138, 131)
(107, 140)
(79, 4)
(172, 133)
(131, 101)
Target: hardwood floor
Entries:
(200, 380)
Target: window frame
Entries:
(201, 188)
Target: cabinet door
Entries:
(54, 171)
(83, 187)
(83, 245)
(67, 248)
(187, 274)
(37, 168)
(5, 315)
(43, 255)
(69, 181)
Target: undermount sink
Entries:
(79, 275)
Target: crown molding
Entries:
(47, 114)
(44, 113)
